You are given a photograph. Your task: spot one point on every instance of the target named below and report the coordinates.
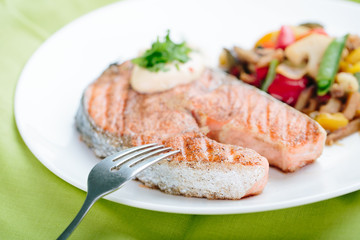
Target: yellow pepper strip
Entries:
(357, 113)
(354, 56)
(344, 66)
(354, 68)
(332, 121)
(267, 38)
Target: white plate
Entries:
(50, 87)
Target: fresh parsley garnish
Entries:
(161, 53)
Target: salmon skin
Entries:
(214, 121)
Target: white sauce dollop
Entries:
(145, 81)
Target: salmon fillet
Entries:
(242, 115)
(213, 121)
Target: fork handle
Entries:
(89, 201)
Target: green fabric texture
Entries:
(36, 204)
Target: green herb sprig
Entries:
(161, 53)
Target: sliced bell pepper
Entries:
(285, 38)
(287, 89)
(260, 74)
(268, 40)
(354, 68)
(312, 31)
(235, 71)
(268, 44)
(329, 65)
(344, 66)
(354, 56)
(324, 98)
(332, 121)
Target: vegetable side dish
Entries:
(308, 69)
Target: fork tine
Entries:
(147, 162)
(135, 154)
(127, 151)
(132, 162)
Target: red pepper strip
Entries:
(260, 74)
(319, 31)
(315, 30)
(325, 98)
(285, 38)
(235, 71)
(287, 89)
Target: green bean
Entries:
(329, 65)
(270, 76)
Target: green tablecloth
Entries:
(36, 204)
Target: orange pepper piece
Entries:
(268, 40)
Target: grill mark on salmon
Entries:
(115, 107)
(97, 98)
(234, 114)
(258, 121)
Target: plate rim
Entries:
(149, 206)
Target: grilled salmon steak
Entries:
(215, 121)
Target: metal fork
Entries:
(113, 172)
